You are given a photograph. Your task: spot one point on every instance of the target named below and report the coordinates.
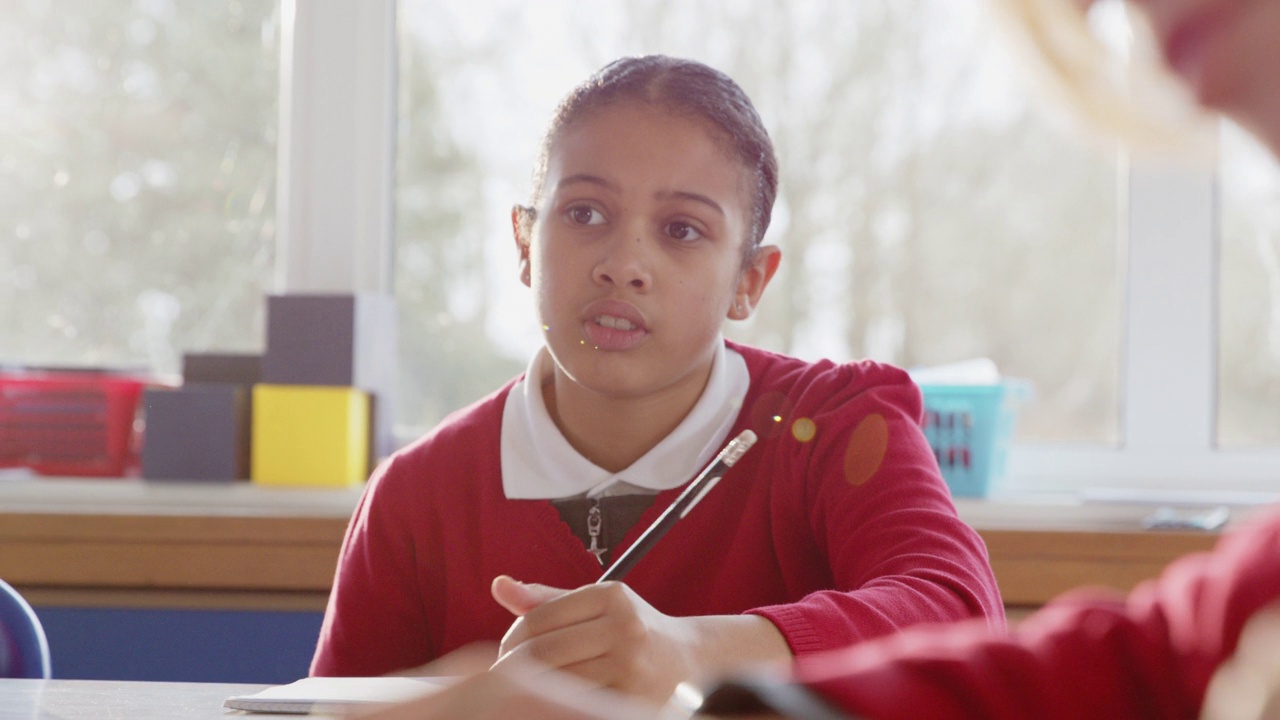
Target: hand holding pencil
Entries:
(610, 636)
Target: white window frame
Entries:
(337, 182)
(336, 173)
(1169, 381)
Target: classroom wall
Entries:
(235, 646)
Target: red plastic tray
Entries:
(69, 422)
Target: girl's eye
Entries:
(683, 232)
(585, 215)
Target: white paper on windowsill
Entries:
(331, 695)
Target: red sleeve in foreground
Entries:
(1149, 655)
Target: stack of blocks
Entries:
(313, 411)
(321, 414)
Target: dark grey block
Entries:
(221, 368)
(343, 340)
(197, 432)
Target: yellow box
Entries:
(309, 436)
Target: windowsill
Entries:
(1042, 546)
(134, 496)
(1062, 512)
(139, 543)
(1096, 511)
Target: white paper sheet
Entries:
(328, 695)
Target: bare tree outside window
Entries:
(927, 213)
(137, 179)
(929, 210)
(1249, 306)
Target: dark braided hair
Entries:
(688, 88)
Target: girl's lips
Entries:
(613, 325)
(603, 337)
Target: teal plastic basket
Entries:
(970, 429)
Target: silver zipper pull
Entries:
(595, 519)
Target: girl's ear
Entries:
(754, 279)
(521, 229)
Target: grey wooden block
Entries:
(221, 368)
(197, 432)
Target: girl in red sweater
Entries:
(1202, 640)
(643, 234)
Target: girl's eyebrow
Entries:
(695, 197)
(661, 195)
(586, 178)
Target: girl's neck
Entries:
(613, 433)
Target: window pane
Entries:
(137, 190)
(927, 213)
(1249, 319)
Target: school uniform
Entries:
(836, 525)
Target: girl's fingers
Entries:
(560, 648)
(561, 609)
(519, 598)
(498, 696)
(463, 662)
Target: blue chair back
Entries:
(24, 649)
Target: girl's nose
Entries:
(624, 264)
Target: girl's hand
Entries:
(527, 693)
(605, 634)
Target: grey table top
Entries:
(108, 699)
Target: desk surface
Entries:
(93, 699)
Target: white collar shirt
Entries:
(538, 463)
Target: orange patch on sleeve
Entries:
(866, 449)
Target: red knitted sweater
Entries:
(836, 526)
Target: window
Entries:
(137, 147)
(928, 212)
(1249, 304)
(931, 210)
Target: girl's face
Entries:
(635, 254)
(1227, 52)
